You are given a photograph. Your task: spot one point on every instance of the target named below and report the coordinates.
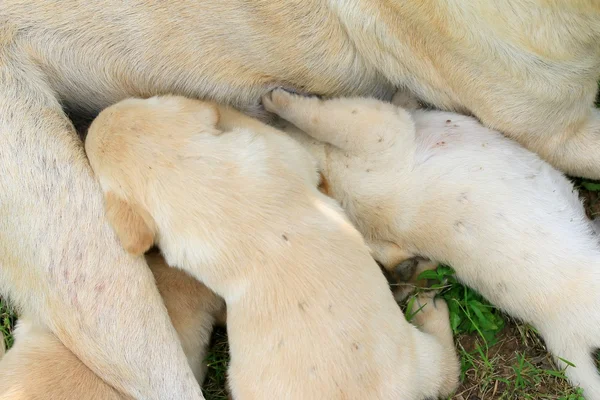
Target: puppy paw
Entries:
(277, 100)
(405, 270)
(405, 277)
(429, 312)
(298, 92)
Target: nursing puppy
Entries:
(235, 203)
(528, 68)
(39, 366)
(442, 186)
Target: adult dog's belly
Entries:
(95, 53)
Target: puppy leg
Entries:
(40, 367)
(193, 309)
(577, 352)
(60, 260)
(400, 267)
(440, 362)
(355, 125)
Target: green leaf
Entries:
(591, 186)
(455, 321)
(428, 274)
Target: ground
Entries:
(501, 358)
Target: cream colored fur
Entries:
(526, 67)
(40, 367)
(235, 203)
(442, 186)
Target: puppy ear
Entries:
(324, 184)
(134, 227)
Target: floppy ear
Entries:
(134, 227)
(324, 185)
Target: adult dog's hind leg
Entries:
(60, 261)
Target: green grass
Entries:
(217, 361)
(500, 358)
(7, 322)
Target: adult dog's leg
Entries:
(60, 261)
(565, 131)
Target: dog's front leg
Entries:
(59, 259)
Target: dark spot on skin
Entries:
(380, 140)
(459, 226)
(448, 121)
(330, 308)
(368, 170)
(285, 237)
(455, 126)
(354, 111)
(355, 346)
(302, 306)
(440, 144)
(99, 288)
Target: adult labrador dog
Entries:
(525, 67)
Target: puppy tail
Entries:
(584, 373)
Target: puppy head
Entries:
(128, 146)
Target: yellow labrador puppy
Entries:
(525, 67)
(235, 203)
(442, 186)
(40, 367)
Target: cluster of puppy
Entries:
(285, 227)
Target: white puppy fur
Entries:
(235, 203)
(40, 367)
(528, 68)
(442, 186)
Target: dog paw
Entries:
(404, 280)
(429, 311)
(277, 100)
(405, 270)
